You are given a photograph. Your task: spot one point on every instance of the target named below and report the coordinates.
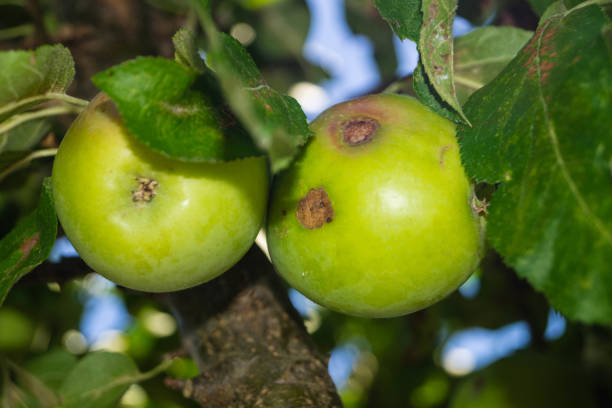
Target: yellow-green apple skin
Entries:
(375, 217)
(200, 219)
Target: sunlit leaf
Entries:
(165, 107)
(52, 367)
(49, 68)
(24, 74)
(481, 54)
(98, 380)
(542, 130)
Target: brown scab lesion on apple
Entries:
(315, 209)
(359, 130)
(147, 189)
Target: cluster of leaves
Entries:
(58, 378)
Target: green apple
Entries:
(375, 218)
(146, 221)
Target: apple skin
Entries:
(202, 220)
(402, 233)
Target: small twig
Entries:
(33, 7)
(17, 31)
(17, 120)
(57, 96)
(27, 159)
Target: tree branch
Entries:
(249, 342)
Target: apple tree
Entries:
(162, 135)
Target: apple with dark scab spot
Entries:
(376, 217)
(146, 221)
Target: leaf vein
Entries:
(554, 141)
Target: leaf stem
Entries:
(17, 31)
(588, 3)
(58, 96)
(132, 379)
(468, 82)
(27, 159)
(17, 120)
(202, 9)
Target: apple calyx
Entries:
(315, 209)
(146, 190)
(359, 130)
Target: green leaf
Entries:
(29, 243)
(12, 161)
(555, 8)
(403, 16)
(258, 4)
(52, 367)
(164, 107)
(9, 158)
(481, 54)
(13, 396)
(44, 396)
(607, 34)
(98, 380)
(436, 50)
(25, 136)
(539, 6)
(184, 368)
(542, 130)
(25, 74)
(186, 52)
(428, 96)
(275, 121)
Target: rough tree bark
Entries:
(249, 343)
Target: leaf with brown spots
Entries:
(541, 128)
(436, 50)
(29, 243)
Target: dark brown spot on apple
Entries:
(147, 189)
(359, 130)
(315, 209)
